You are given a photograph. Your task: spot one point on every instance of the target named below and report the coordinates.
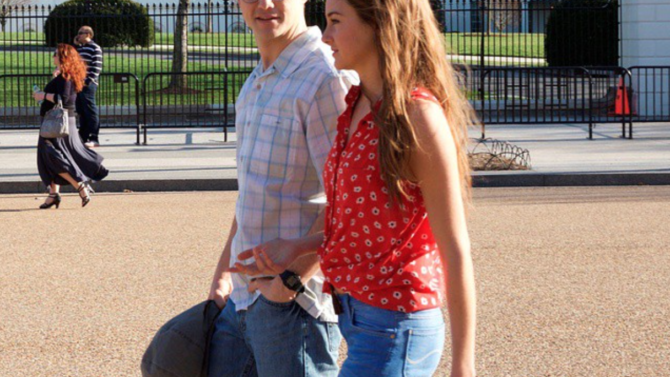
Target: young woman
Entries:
(396, 180)
(65, 160)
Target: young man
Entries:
(281, 326)
(89, 120)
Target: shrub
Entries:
(315, 13)
(439, 11)
(583, 33)
(114, 22)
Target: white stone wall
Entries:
(646, 42)
(646, 32)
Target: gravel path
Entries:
(571, 281)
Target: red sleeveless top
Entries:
(382, 254)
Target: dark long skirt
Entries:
(68, 155)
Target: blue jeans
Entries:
(386, 343)
(89, 119)
(272, 339)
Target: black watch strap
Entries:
(292, 281)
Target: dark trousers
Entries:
(89, 120)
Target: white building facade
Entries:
(645, 29)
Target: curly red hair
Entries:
(72, 67)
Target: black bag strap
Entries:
(210, 314)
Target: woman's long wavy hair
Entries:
(72, 67)
(412, 54)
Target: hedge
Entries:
(583, 33)
(114, 22)
(315, 13)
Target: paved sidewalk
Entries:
(571, 282)
(199, 159)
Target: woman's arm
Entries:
(435, 166)
(64, 91)
(43, 96)
(61, 88)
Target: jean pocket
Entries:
(371, 327)
(334, 336)
(424, 350)
(279, 305)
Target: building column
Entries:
(526, 17)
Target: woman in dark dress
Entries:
(65, 160)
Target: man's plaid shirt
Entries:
(286, 119)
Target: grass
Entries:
(194, 39)
(210, 39)
(523, 45)
(41, 62)
(208, 89)
(520, 45)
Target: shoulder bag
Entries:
(55, 123)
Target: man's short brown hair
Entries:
(88, 30)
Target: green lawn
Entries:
(194, 39)
(41, 62)
(210, 39)
(508, 44)
(209, 88)
(206, 88)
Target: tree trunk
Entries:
(210, 18)
(180, 53)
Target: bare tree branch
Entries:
(6, 8)
(504, 14)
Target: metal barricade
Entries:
(649, 95)
(191, 99)
(537, 95)
(118, 100)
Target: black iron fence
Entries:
(216, 36)
(531, 32)
(515, 77)
(146, 39)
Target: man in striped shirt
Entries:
(89, 119)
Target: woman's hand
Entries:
(271, 258)
(39, 96)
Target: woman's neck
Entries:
(372, 91)
(372, 86)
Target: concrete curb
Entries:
(570, 179)
(36, 187)
(480, 180)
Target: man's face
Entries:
(82, 36)
(273, 19)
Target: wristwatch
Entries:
(292, 281)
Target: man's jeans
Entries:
(89, 120)
(386, 343)
(273, 340)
